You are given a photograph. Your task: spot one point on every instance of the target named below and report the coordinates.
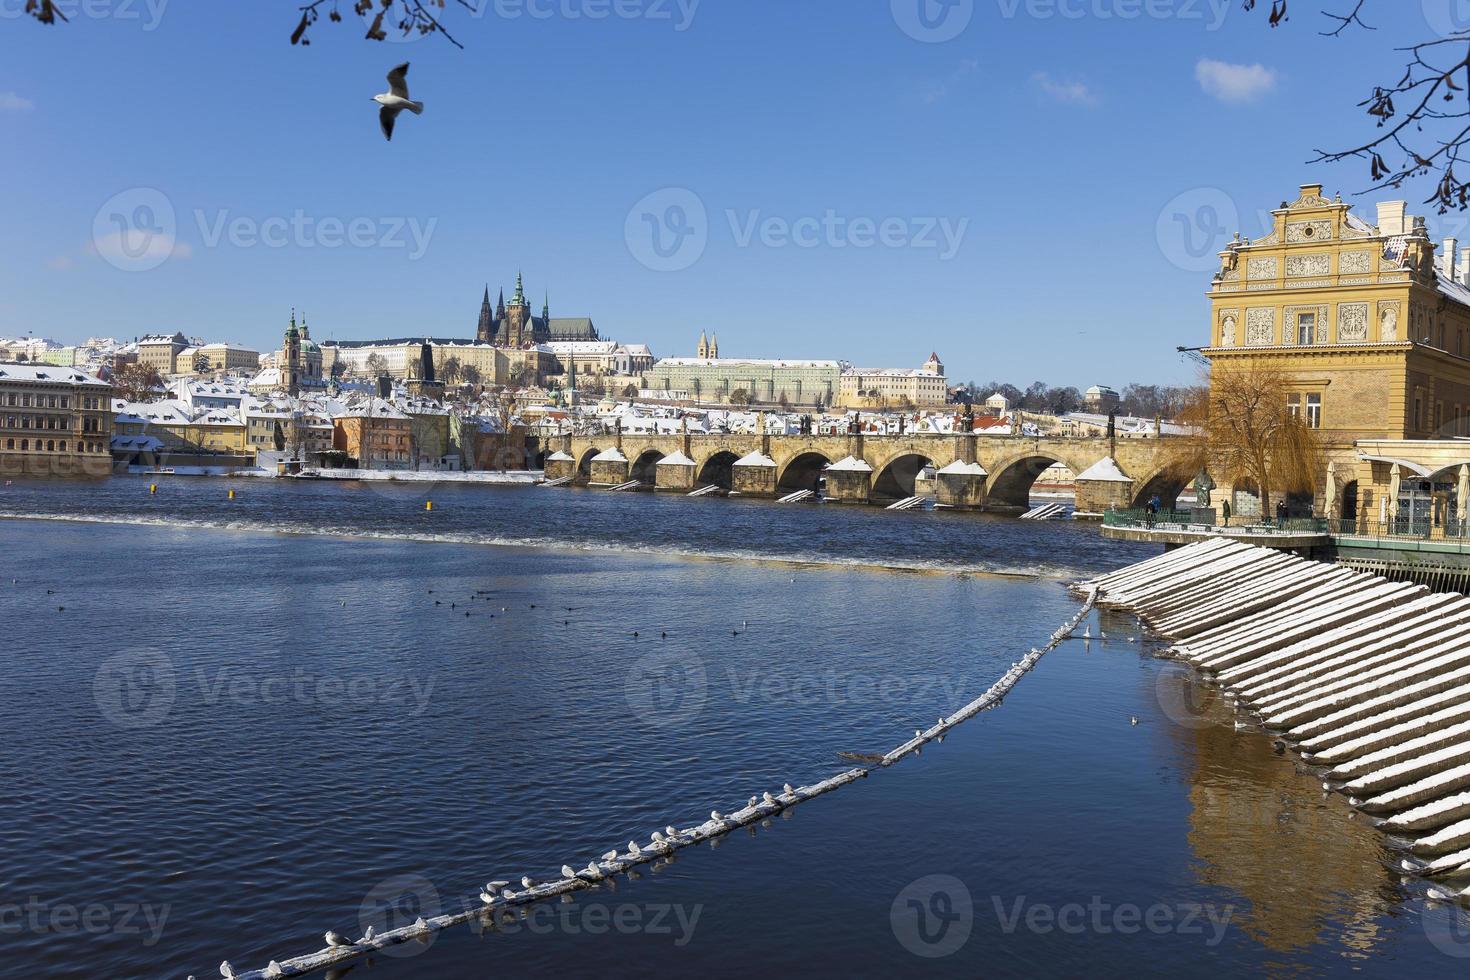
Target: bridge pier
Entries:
(961, 485)
(559, 465)
(754, 475)
(675, 472)
(609, 469)
(850, 481)
(1101, 486)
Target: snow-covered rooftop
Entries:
(958, 468)
(755, 459)
(48, 374)
(613, 455)
(676, 458)
(851, 464)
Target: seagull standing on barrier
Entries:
(336, 940)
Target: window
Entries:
(1314, 411)
(1306, 328)
(1418, 411)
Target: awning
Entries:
(1418, 469)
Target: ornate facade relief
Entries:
(1352, 323)
(1354, 263)
(1262, 267)
(1228, 321)
(1309, 231)
(1388, 321)
(1260, 326)
(1308, 265)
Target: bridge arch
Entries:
(584, 464)
(1167, 483)
(1010, 482)
(803, 471)
(895, 477)
(718, 468)
(643, 466)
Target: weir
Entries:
(759, 808)
(1366, 678)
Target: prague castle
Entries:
(512, 325)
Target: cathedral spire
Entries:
(519, 299)
(500, 310)
(485, 329)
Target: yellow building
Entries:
(161, 352)
(1372, 331)
(223, 357)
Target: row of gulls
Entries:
(663, 842)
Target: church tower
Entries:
(485, 331)
(714, 347)
(518, 331)
(291, 358)
(702, 351)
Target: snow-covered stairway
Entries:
(1368, 679)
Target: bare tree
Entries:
(406, 17)
(136, 382)
(1243, 429)
(377, 365)
(1428, 133)
(451, 370)
(471, 374)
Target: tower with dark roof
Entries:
(485, 331)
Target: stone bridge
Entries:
(980, 472)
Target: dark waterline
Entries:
(268, 735)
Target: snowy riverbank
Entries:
(508, 478)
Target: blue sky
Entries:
(1009, 197)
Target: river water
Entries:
(233, 724)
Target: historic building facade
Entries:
(54, 421)
(1371, 329)
(925, 387)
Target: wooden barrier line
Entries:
(757, 809)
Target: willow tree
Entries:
(1241, 426)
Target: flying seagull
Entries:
(395, 100)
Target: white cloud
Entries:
(11, 102)
(133, 246)
(1234, 83)
(1073, 93)
(940, 89)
